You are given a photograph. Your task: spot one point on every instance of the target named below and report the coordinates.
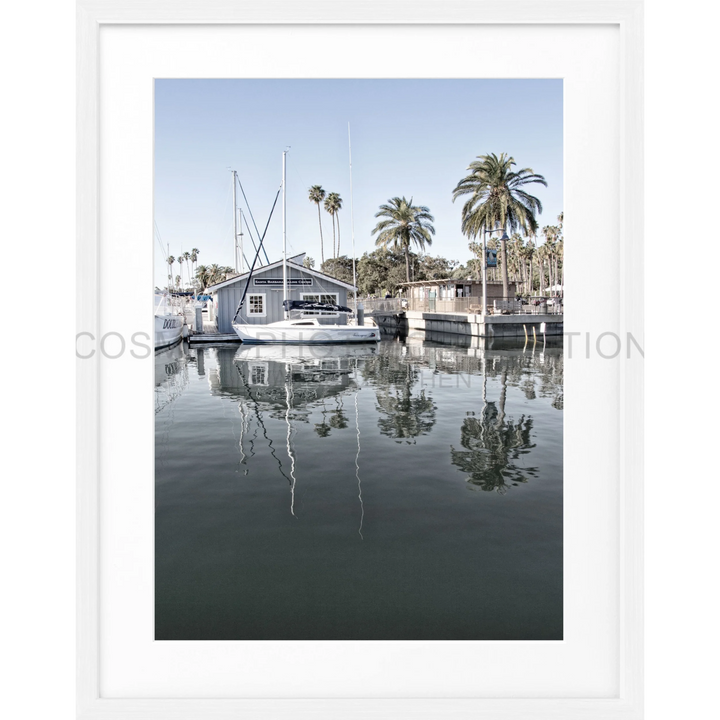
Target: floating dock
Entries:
(214, 338)
(471, 324)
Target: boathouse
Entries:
(450, 289)
(263, 302)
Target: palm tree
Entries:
(331, 205)
(528, 252)
(186, 255)
(403, 225)
(181, 260)
(337, 204)
(214, 274)
(498, 201)
(170, 260)
(202, 274)
(316, 194)
(193, 257)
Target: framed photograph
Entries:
(355, 459)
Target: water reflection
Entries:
(405, 411)
(324, 495)
(318, 387)
(494, 445)
(290, 383)
(171, 375)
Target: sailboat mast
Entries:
(284, 233)
(240, 243)
(352, 222)
(235, 229)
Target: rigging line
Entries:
(357, 461)
(159, 239)
(290, 451)
(242, 190)
(261, 423)
(257, 253)
(252, 239)
(243, 457)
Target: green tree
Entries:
(403, 225)
(339, 268)
(435, 268)
(498, 200)
(380, 271)
(316, 194)
(308, 263)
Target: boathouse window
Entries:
(256, 305)
(325, 298)
(258, 374)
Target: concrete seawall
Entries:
(469, 324)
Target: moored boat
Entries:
(168, 324)
(306, 328)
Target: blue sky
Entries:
(409, 137)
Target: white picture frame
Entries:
(627, 15)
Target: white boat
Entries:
(168, 323)
(305, 329)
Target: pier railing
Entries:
(445, 305)
(383, 305)
(495, 306)
(539, 305)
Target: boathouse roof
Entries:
(296, 261)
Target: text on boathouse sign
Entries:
(279, 282)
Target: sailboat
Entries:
(298, 328)
(168, 323)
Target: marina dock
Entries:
(215, 338)
(475, 325)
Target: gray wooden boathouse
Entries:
(263, 302)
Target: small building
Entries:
(263, 302)
(448, 289)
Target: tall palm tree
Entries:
(170, 260)
(528, 252)
(193, 257)
(337, 204)
(181, 260)
(498, 200)
(331, 206)
(551, 234)
(186, 255)
(403, 225)
(316, 194)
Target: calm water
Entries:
(411, 490)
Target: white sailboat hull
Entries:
(306, 333)
(291, 354)
(168, 330)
